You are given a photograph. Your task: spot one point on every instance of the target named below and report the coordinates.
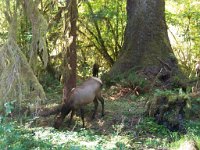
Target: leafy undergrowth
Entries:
(123, 127)
(18, 137)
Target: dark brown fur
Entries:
(95, 70)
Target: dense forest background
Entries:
(148, 55)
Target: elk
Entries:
(88, 92)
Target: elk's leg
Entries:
(100, 98)
(71, 117)
(82, 116)
(95, 107)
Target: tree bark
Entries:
(70, 57)
(145, 38)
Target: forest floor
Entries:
(123, 127)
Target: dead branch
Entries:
(165, 64)
(44, 112)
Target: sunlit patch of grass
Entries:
(124, 106)
(176, 144)
(84, 139)
(18, 137)
(193, 133)
(149, 134)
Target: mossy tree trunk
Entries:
(17, 79)
(146, 39)
(39, 29)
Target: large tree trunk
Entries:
(146, 40)
(70, 57)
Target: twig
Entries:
(165, 64)
(154, 81)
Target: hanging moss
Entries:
(17, 79)
(39, 30)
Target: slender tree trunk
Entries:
(145, 40)
(70, 57)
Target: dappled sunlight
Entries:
(82, 138)
(183, 27)
(116, 92)
(146, 52)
